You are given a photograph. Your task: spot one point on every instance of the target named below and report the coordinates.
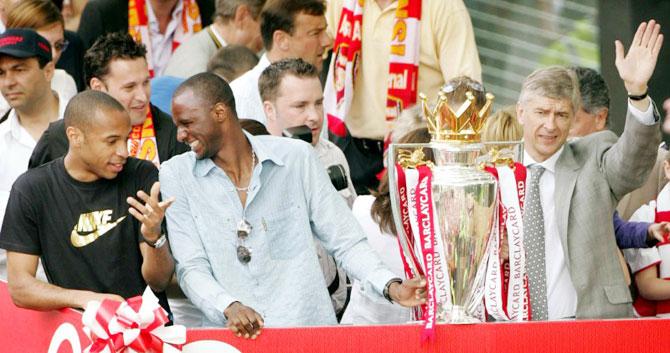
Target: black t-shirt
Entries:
(83, 232)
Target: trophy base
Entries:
(458, 315)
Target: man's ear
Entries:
(220, 112)
(74, 136)
(281, 40)
(49, 69)
(601, 119)
(241, 13)
(270, 112)
(96, 84)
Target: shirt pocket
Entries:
(287, 232)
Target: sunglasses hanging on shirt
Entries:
(243, 231)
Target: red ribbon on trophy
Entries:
(134, 326)
(422, 238)
(405, 214)
(424, 211)
(506, 287)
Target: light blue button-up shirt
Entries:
(290, 199)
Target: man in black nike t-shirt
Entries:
(79, 214)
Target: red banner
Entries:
(60, 331)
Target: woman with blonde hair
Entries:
(502, 126)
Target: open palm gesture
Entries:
(637, 66)
(151, 213)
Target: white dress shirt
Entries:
(561, 293)
(161, 43)
(245, 89)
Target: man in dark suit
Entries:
(116, 65)
(158, 18)
(574, 186)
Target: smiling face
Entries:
(196, 123)
(299, 102)
(546, 123)
(128, 81)
(103, 149)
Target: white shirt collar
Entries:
(549, 164)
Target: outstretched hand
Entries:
(151, 213)
(636, 67)
(409, 293)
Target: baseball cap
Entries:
(25, 43)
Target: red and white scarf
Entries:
(138, 25)
(403, 62)
(142, 141)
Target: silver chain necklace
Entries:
(253, 163)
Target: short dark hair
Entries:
(594, 92)
(280, 15)
(111, 46)
(225, 9)
(271, 77)
(232, 61)
(210, 88)
(81, 109)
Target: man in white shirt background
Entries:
(290, 29)
(26, 70)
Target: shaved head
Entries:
(81, 111)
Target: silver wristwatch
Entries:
(159, 243)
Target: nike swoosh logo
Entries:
(78, 240)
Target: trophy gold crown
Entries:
(462, 125)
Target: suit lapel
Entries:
(567, 170)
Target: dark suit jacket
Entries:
(105, 16)
(53, 143)
(592, 174)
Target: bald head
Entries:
(82, 110)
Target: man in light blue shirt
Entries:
(242, 223)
